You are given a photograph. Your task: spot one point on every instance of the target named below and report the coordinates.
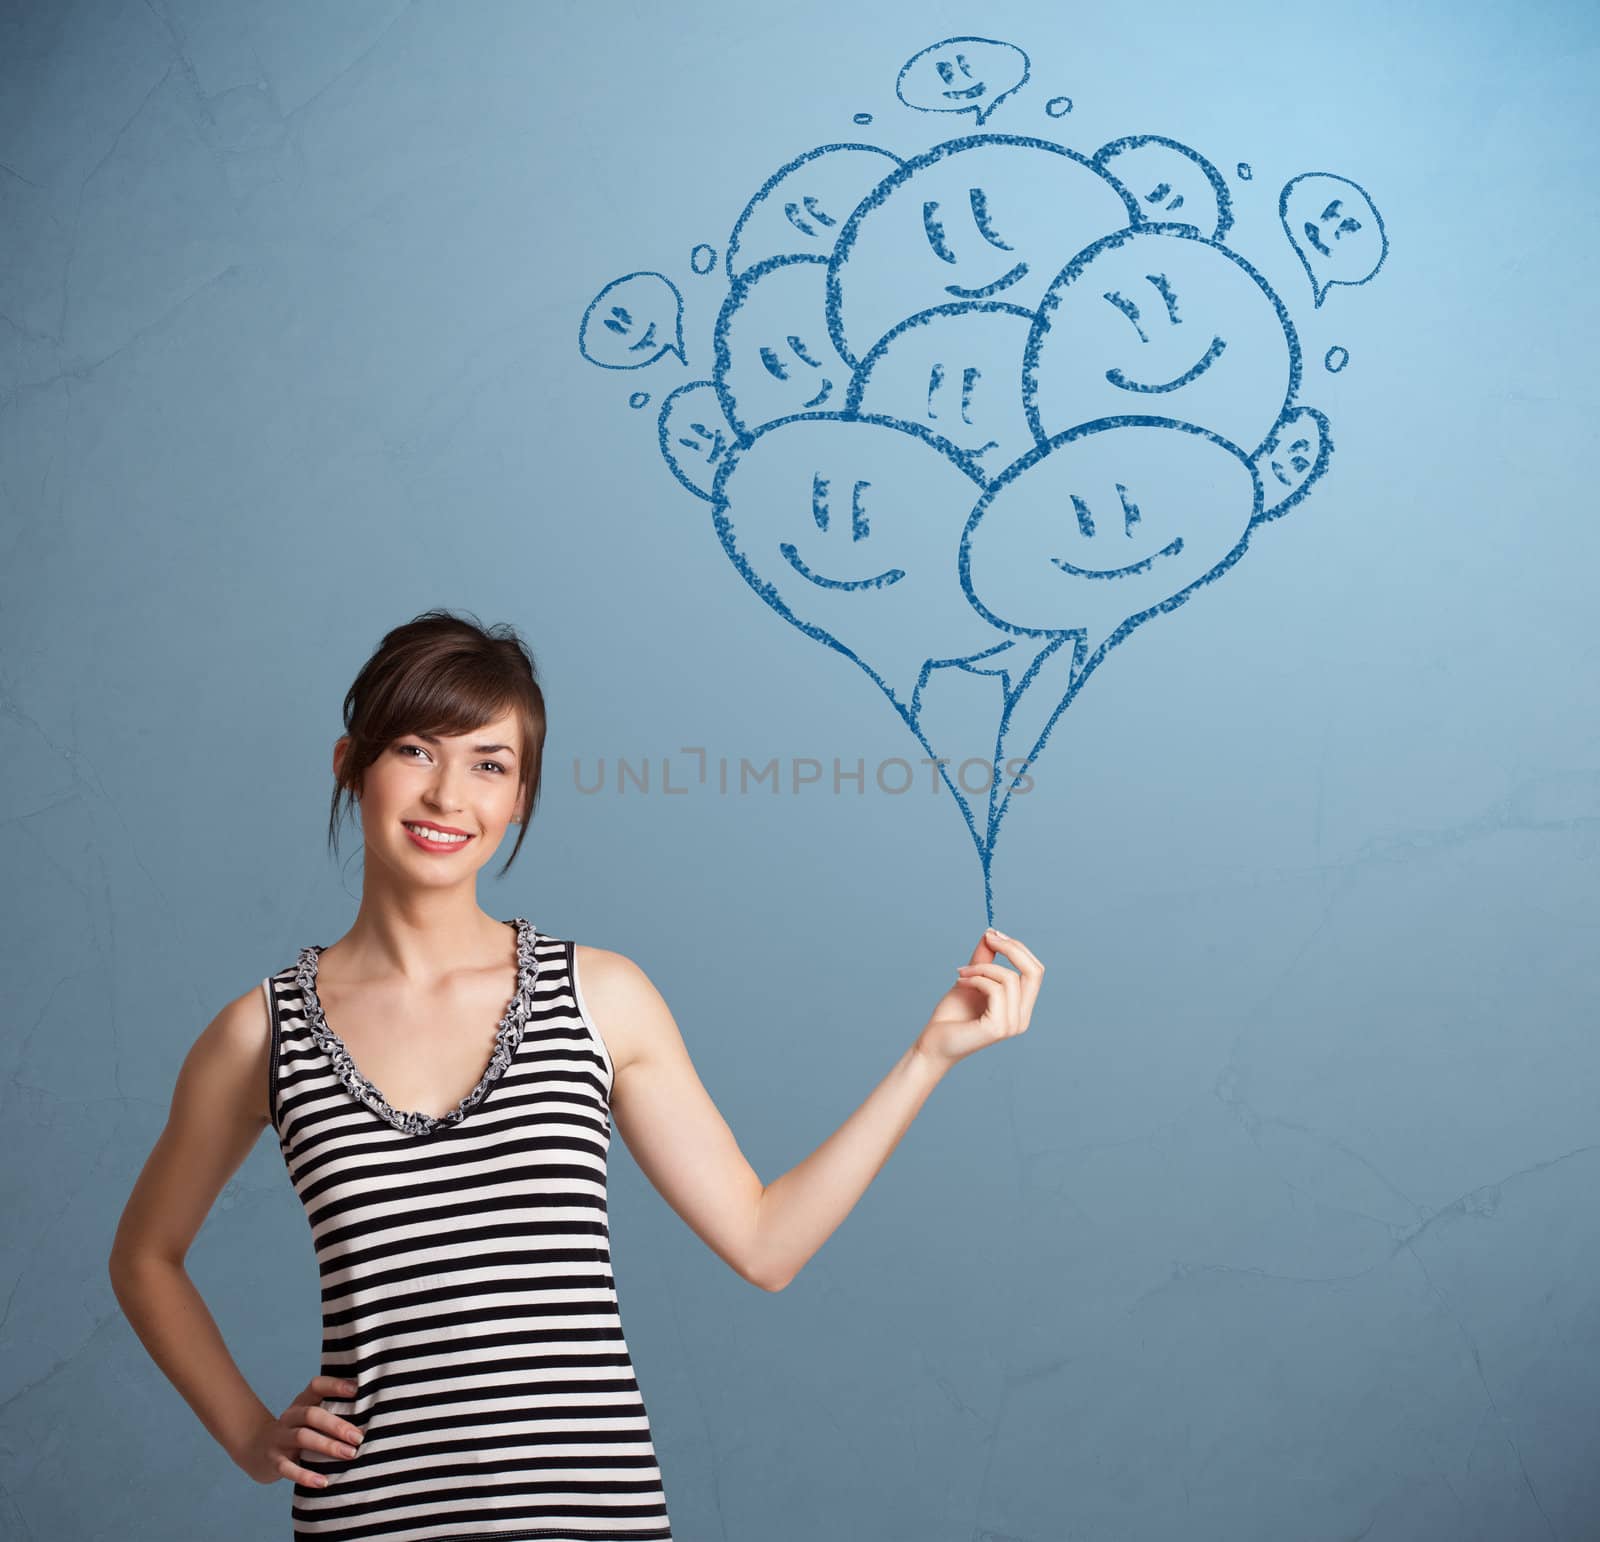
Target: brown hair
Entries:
(443, 674)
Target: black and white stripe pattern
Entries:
(466, 1281)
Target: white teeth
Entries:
(436, 837)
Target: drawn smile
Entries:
(1212, 354)
(1005, 281)
(645, 341)
(821, 396)
(968, 94)
(1170, 550)
(877, 581)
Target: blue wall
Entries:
(1275, 1223)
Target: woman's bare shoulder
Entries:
(234, 1048)
(610, 987)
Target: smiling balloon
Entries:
(774, 357)
(695, 438)
(850, 529)
(1294, 457)
(1156, 322)
(1334, 227)
(802, 206)
(989, 217)
(962, 74)
(956, 370)
(1170, 183)
(1106, 525)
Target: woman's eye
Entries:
(418, 748)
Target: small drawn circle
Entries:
(1245, 172)
(703, 258)
(1335, 359)
(639, 399)
(1058, 106)
(862, 117)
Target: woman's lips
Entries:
(438, 848)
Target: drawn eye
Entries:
(1164, 289)
(859, 528)
(980, 217)
(1128, 309)
(800, 350)
(933, 228)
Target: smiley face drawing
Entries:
(962, 74)
(1158, 322)
(694, 436)
(988, 217)
(1105, 525)
(955, 370)
(800, 207)
(1335, 229)
(773, 354)
(1172, 184)
(1294, 457)
(849, 528)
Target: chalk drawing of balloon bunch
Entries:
(993, 407)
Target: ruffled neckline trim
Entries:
(508, 1036)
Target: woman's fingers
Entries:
(1027, 962)
(299, 1474)
(340, 1429)
(999, 985)
(325, 1445)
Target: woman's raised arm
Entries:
(767, 1232)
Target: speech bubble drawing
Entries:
(632, 322)
(1335, 229)
(1158, 322)
(800, 209)
(1170, 183)
(774, 357)
(955, 369)
(987, 217)
(1293, 460)
(695, 437)
(962, 74)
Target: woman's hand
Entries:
(986, 1003)
(305, 1425)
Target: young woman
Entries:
(475, 1382)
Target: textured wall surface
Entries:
(1273, 1225)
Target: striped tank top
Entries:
(466, 1280)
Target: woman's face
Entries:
(465, 783)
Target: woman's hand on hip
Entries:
(277, 1447)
